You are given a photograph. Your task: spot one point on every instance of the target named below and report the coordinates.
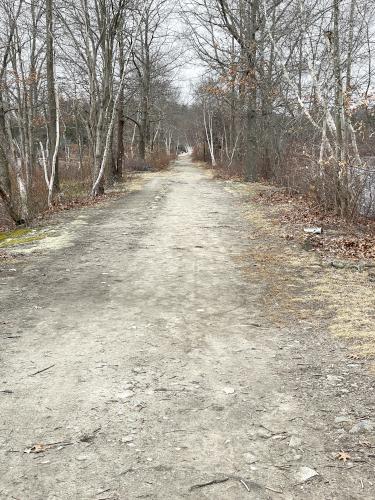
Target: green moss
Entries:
(19, 237)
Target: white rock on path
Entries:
(249, 458)
(127, 439)
(125, 394)
(295, 442)
(342, 419)
(229, 390)
(304, 474)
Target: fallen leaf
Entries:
(343, 455)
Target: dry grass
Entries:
(302, 287)
(351, 298)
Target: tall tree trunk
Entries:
(338, 82)
(145, 128)
(142, 144)
(51, 91)
(118, 167)
(341, 157)
(5, 185)
(117, 164)
(18, 213)
(251, 167)
(144, 132)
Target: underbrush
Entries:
(155, 161)
(222, 170)
(351, 239)
(309, 195)
(234, 171)
(160, 160)
(75, 185)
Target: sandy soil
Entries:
(143, 356)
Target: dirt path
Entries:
(165, 377)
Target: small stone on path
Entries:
(126, 394)
(362, 427)
(127, 439)
(229, 390)
(342, 419)
(249, 458)
(304, 474)
(295, 442)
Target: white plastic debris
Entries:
(313, 230)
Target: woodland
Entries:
(91, 90)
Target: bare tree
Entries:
(53, 125)
(286, 71)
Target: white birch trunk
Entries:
(209, 135)
(57, 145)
(108, 141)
(22, 189)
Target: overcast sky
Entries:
(187, 78)
(191, 70)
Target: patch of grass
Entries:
(16, 233)
(351, 298)
(19, 237)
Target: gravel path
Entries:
(160, 374)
